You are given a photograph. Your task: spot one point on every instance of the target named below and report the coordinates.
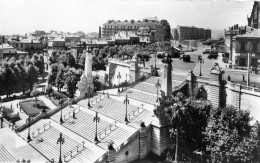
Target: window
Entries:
(254, 46)
(243, 46)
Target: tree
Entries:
(35, 93)
(188, 119)
(22, 71)
(71, 83)
(32, 75)
(231, 138)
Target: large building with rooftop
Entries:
(162, 30)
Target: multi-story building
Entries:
(30, 46)
(182, 33)
(254, 19)
(235, 59)
(162, 28)
(123, 38)
(248, 47)
(144, 34)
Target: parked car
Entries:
(213, 55)
(186, 58)
(160, 54)
(207, 51)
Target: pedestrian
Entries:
(74, 114)
(243, 76)
(11, 106)
(228, 78)
(17, 105)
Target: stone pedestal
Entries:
(215, 86)
(167, 76)
(134, 68)
(160, 132)
(191, 80)
(143, 142)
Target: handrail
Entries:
(109, 129)
(70, 114)
(40, 130)
(74, 151)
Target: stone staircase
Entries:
(5, 156)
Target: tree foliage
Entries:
(230, 137)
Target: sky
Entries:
(22, 16)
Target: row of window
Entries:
(243, 46)
(127, 26)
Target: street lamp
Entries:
(200, 61)
(89, 89)
(118, 77)
(96, 119)
(61, 141)
(61, 120)
(29, 120)
(126, 101)
(157, 85)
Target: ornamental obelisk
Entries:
(85, 84)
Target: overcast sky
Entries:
(22, 16)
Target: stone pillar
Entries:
(215, 86)
(191, 82)
(86, 80)
(134, 70)
(111, 154)
(160, 133)
(167, 76)
(143, 144)
(237, 96)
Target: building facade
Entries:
(182, 33)
(235, 59)
(30, 46)
(254, 19)
(111, 27)
(249, 43)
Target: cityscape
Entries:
(123, 81)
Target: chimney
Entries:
(99, 32)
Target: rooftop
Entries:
(255, 34)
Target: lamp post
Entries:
(126, 101)
(61, 120)
(96, 119)
(89, 89)
(61, 141)
(157, 85)
(118, 77)
(29, 120)
(200, 61)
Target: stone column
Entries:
(134, 70)
(167, 76)
(143, 144)
(111, 154)
(237, 96)
(86, 80)
(216, 86)
(160, 132)
(191, 82)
